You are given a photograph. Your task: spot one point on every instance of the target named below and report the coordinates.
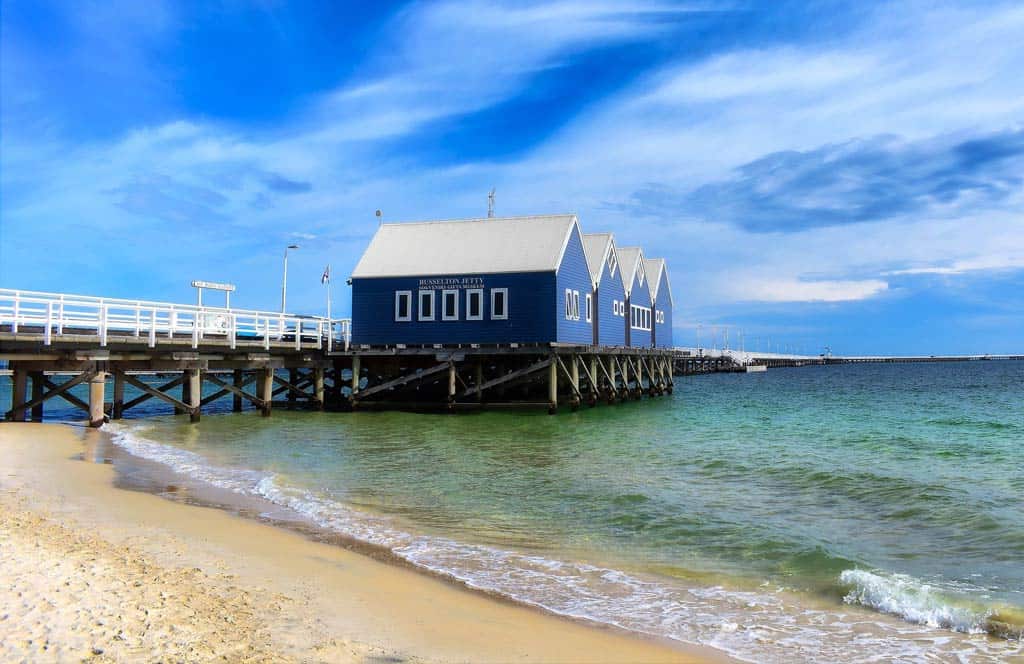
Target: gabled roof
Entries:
(597, 247)
(630, 260)
(467, 246)
(655, 267)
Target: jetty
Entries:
(53, 342)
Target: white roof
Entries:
(467, 246)
(654, 267)
(629, 262)
(597, 246)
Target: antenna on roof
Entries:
(380, 217)
(490, 204)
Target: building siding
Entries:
(532, 306)
(573, 274)
(663, 331)
(611, 330)
(639, 295)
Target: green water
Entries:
(765, 514)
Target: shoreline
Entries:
(310, 600)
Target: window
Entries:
(499, 304)
(640, 317)
(426, 305)
(572, 304)
(450, 305)
(403, 305)
(617, 308)
(475, 304)
(590, 305)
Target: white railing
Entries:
(58, 314)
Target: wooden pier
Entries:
(265, 359)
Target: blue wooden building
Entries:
(609, 296)
(505, 280)
(661, 302)
(638, 318)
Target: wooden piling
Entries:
(97, 386)
(553, 386)
(195, 393)
(266, 388)
(574, 374)
(19, 396)
(38, 389)
(318, 388)
(451, 385)
(117, 410)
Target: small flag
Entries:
(325, 278)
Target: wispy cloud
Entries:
(863, 180)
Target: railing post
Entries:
(17, 306)
(138, 319)
(195, 331)
(330, 336)
(172, 322)
(233, 330)
(48, 331)
(152, 328)
(103, 325)
(60, 322)
(266, 335)
(298, 334)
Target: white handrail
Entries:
(56, 315)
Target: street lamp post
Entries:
(284, 278)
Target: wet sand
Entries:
(94, 571)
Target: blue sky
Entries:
(815, 173)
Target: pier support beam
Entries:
(19, 396)
(195, 394)
(266, 388)
(236, 399)
(451, 385)
(38, 389)
(575, 378)
(117, 409)
(186, 397)
(553, 386)
(293, 378)
(318, 388)
(355, 376)
(97, 386)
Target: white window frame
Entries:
(433, 305)
(469, 310)
(408, 308)
(590, 308)
(575, 305)
(504, 314)
(612, 263)
(444, 304)
(568, 304)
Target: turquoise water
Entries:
(820, 513)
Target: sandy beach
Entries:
(92, 571)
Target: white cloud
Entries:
(794, 290)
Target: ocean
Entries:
(829, 513)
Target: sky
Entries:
(817, 174)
